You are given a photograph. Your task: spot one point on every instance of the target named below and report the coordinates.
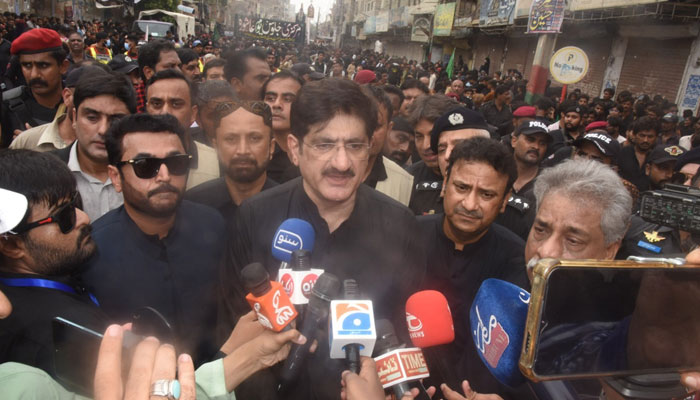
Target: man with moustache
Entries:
(279, 93)
(397, 146)
(43, 62)
(332, 122)
(157, 250)
(465, 246)
(427, 178)
(631, 159)
(47, 242)
(243, 141)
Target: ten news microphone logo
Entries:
(415, 326)
(354, 318)
(287, 241)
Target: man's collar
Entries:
(377, 174)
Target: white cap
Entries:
(13, 206)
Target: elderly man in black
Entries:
(360, 233)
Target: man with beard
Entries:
(244, 144)
(397, 146)
(43, 62)
(157, 250)
(632, 158)
(465, 246)
(279, 92)
(40, 255)
(99, 99)
(529, 142)
(427, 178)
(571, 118)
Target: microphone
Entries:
(293, 234)
(300, 278)
(398, 367)
(497, 319)
(430, 326)
(326, 289)
(267, 298)
(352, 331)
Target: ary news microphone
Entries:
(293, 234)
(267, 298)
(430, 327)
(298, 278)
(326, 289)
(497, 318)
(398, 368)
(352, 331)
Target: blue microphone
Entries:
(497, 317)
(293, 234)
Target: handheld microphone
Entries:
(293, 234)
(300, 278)
(268, 299)
(326, 289)
(497, 319)
(430, 326)
(352, 331)
(397, 366)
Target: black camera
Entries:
(674, 206)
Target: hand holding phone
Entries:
(150, 362)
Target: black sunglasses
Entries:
(64, 217)
(257, 107)
(148, 167)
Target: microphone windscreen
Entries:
(429, 319)
(293, 234)
(497, 317)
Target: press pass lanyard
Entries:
(43, 283)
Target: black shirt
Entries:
(630, 169)
(32, 113)
(176, 275)
(458, 275)
(646, 239)
(520, 211)
(215, 194)
(377, 174)
(281, 169)
(425, 198)
(26, 335)
(501, 119)
(377, 246)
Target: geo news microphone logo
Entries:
(353, 319)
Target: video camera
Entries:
(674, 206)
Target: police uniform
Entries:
(18, 105)
(646, 239)
(427, 187)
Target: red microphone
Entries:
(268, 299)
(430, 325)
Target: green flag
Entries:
(451, 65)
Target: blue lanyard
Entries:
(43, 283)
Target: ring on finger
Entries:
(168, 388)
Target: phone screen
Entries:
(619, 322)
(75, 358)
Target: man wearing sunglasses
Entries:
(157, 250)
(40, 255)
(360, 233)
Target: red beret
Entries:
(524, 111)
(596, 125)
(365, 76)
(38, 40)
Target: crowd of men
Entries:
(153, 173)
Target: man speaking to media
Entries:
(360, 233)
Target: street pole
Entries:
(540, 67)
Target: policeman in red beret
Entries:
(42, 58)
